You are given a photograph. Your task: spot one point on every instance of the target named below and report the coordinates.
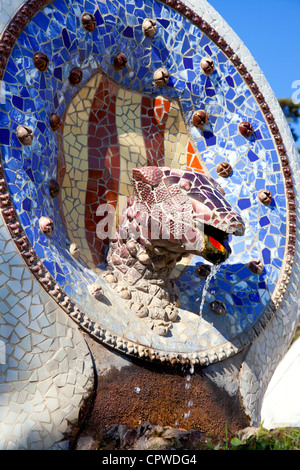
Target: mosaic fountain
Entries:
(156, 113)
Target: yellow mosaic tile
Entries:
(75, 140)
(131, 140)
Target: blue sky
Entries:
(270, 30)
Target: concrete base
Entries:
(132, 392)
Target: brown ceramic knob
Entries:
(205, 26)
(46, 225)
(260, 98)
(27, 11)
(265, 197)
(20, 19)
(203, 271)
(287, 172)
(284, 162)
(75, 76)
(218, 308)
(88, 22)
(199, 118)
(235, 59)
(248, 78)
(4, 49)
(9, 214)
(149, 27)
(3, 186)
(120, 61)
(74, 250)
(281, 150)
(8, 39)
(180, 6)
(292, 206)
(171, 3)
(96, 291)
(293, 228)
(55, 121)
(161, 77)
(188, 13)
(40, 61)
(290, 194)
(274, 128)
(207, 65)
(256, 266)
(270, 118)
(265, 107)
(29, 256)
(2, 62)
(213, 34)
(222, 43)
(14, 28)
(254, 87)
(25, 135)
(53, 188)
(224, 169)
(22, 243)
(228, 51)
(245, 128)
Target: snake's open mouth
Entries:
(216, 246)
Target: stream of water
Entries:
(187, 387)
(213, 272)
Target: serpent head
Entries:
(184, 212)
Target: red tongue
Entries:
(216, 244)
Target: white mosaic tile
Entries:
(43, 379)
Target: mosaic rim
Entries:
(9, 36)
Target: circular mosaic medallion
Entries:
(94, 90)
